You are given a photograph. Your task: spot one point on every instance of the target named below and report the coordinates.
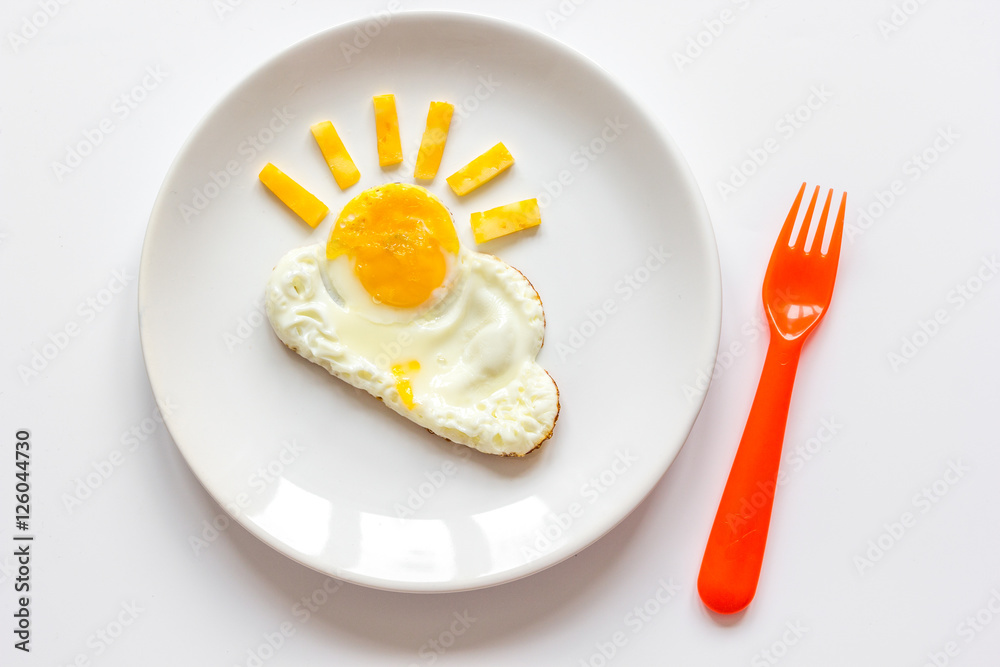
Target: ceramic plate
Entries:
(625, 263)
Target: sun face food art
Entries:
(445, 336)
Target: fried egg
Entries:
(445, 336)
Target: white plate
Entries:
(322, 472)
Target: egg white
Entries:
(476, 342)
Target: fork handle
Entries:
(731, 565)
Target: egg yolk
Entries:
(399, 372)
(399, 237)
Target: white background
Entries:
(895, 78)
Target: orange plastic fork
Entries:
(797, 290)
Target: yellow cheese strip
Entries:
(387, 130)
(435, 136)
(295, 197)
(480, 170)
(337, 158)
(504, 220)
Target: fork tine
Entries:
(804, 229)
(821, 227)
(838, 231)
(786, 230)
